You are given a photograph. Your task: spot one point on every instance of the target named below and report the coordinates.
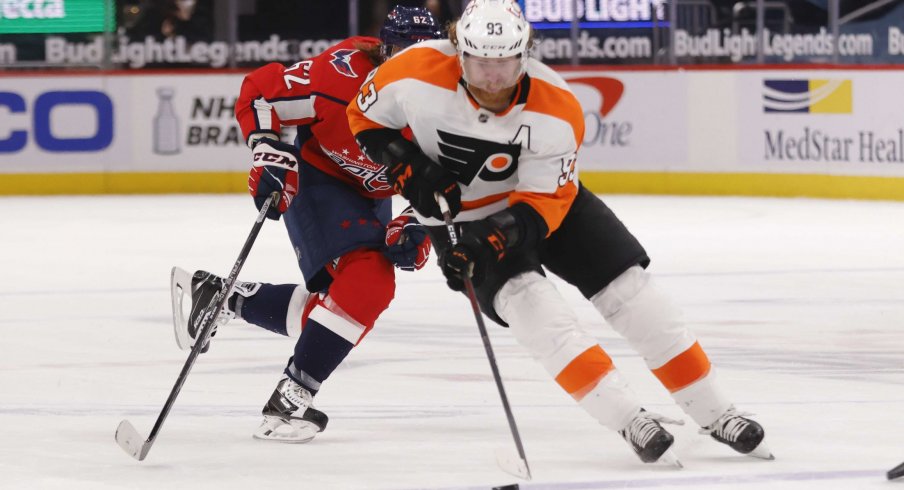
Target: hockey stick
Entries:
(896, 472)
(512, 464)
(126, 435)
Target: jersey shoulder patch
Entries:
(341, 61)
(338, 71)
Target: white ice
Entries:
(800, 304)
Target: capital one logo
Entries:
(599, 96)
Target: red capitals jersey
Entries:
(313, 95)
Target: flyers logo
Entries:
(472, 157)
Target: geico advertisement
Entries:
(847, 122)
(632, 120)
(95, 124)
(61, 124)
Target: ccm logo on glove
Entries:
(274, 169)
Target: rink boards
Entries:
(824, 132)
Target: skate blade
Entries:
(510, 462)
(180, 287)
(762, 451)
(669, 458)
(277, 430)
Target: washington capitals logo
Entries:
(342, 62)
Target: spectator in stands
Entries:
(167, 19)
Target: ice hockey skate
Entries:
(739, 433)
(280, 421)
(650, 440)
(203, 290)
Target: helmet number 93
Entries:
(494, 28)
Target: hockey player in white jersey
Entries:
(497, 134)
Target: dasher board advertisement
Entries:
(120, 124)
(693, 131)
(826, 122)
(634, 121)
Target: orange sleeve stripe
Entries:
(584, 372)
(548, 99)
(357, 121)
(553, 207)
(684, 369)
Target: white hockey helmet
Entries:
(493, 29)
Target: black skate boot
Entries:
(280, 421)
(205, 289)
(649, 440)
(739, 433)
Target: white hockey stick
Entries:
(126, 435)
(509, 461)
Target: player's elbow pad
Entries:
(523, 226)
(386, 146)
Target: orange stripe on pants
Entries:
(584, 372)
(684, 369)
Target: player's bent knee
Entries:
(363, 285)
(644, 316)
(541, 321)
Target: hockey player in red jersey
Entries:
(497, 134)
(336, 206)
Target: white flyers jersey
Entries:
(527, 153)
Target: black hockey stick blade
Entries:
(131, 442)
(896, 472)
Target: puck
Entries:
(513, 486)
(896, 472)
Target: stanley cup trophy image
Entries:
(166, 124)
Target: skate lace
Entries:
(645, 425)
(222, 319)
(729, 426)
(297, 394)
(641, 430)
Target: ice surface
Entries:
(800, 304)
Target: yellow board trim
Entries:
(674, 183)
(123, 183)
(769, 185)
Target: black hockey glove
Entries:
(481, 244)
(410, 172)
(485, 242)
(417, 178)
